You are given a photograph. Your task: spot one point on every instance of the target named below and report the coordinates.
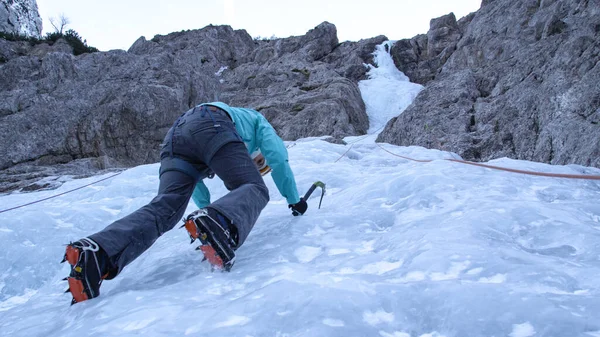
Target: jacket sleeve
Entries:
(276, 155)
(201, 195)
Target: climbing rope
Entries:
(397, 155)
(343, 154)
(534, 173)
(358, 140)
(57, 195)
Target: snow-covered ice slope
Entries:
(399, 248)
(388, 91)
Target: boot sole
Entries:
(208, 246)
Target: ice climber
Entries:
(211, 138)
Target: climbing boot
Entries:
(89, 267)
(218, 237)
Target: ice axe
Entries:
(312, 189)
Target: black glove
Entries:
(299, 208)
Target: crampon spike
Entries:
(211, 255)
(192, 229)
(77, 290)
(72, 255)
(216, 246)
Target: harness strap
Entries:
(178, 164)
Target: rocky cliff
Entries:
(20, 17)
(516, 79)
(61, 113)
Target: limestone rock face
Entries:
(522, 82)
(422, 57)
(305, 86)
(20, 17)
(65, 114)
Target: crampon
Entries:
(86, 270)
(216, 242)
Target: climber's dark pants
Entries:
(209, 142)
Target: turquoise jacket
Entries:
(257, 133)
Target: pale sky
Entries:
(112, 24)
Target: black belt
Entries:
(217, 109)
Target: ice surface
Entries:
(388, 91)
(522, 330)
(399, 248)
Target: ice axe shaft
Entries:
(312, 189)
